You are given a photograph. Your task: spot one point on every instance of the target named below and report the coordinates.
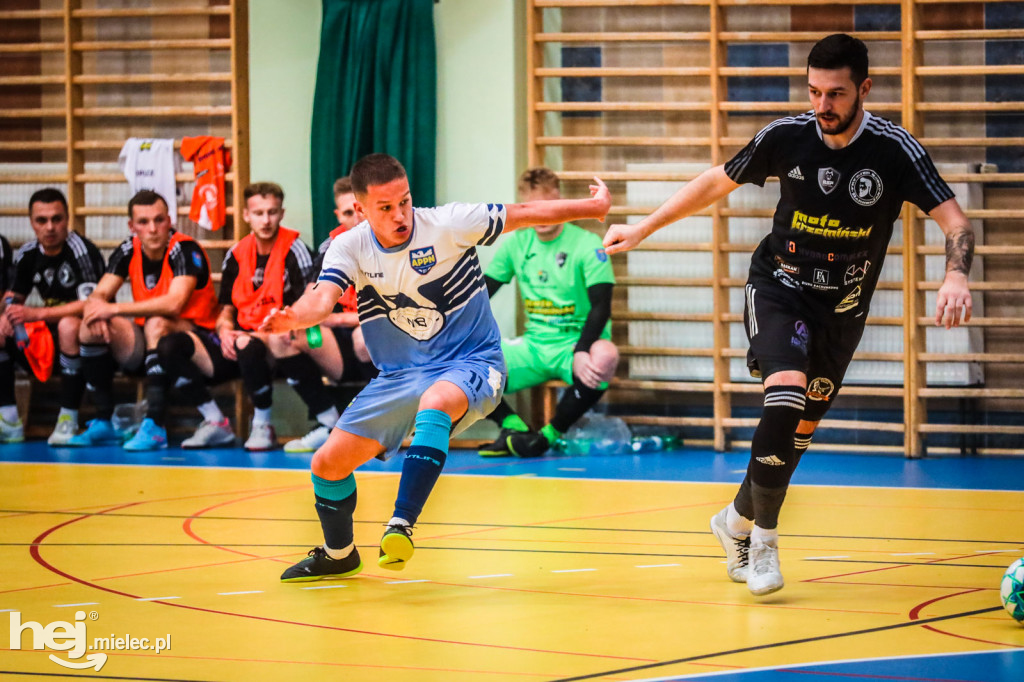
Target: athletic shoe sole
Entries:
(397, 548)
(327, 576)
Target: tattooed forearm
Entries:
(960, 250)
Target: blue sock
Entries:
(423, 463)
(335, 504)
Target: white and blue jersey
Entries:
(423, 302)
(425, 316)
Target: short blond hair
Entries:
(538, 178)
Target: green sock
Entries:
(514, 422)
(551, 433)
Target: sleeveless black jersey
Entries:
(837, 207)
(69, 276)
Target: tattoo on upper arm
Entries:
(960, 250)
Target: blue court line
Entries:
(690, 465)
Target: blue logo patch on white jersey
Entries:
(601, 255)
(422, 260)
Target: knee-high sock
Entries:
(72, 385)
(304, 375)
(98, 371)
(772, 458)
(423, 463)
(255, 367)
(575, 402)
(335, 504)
(176, 351)
(6, 378)
(744, 502)
(156, 388)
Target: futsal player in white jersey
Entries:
(425, 315)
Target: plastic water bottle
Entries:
(598, 435)
(650, 443)
(20, 335)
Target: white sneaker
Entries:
(311, 442)
(765, 576)
(210, 435)
(736, 547)
(65, 429)
(261, 437)
(11, 432)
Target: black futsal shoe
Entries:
(319, 565)
(529, 444)
(499, 448)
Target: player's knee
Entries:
(251, 351)
(175, 348)
(605, 356)
(283, 345)
(68, 331)
(90, 334)
(155, 328)
(786, 377)
(332, 463)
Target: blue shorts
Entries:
(385, 411)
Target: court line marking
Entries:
(84, 603)
(406, 582)
(230, 594)
(824, 558)
(574, 570)
(920, 553)
(154, 598)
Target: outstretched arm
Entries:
(311, 309)
(704, 190)
(554, 211)
(954, 299)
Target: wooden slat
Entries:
(33, 178)
(664, 281)
(115, 145)
(32, 145)
(31, 80)
(979, 321)
(983, 250)
(829, 423)
(968, 107)
(155, 12)
(12, 14)
(638, 316)
(793, 106)
(972, 357)
(800, 36)
(158, 112)
(794, 71)
(591, 141)
(618, 3)
(30, 48)
(48, 112)
(108, 79)
(971, 70)
(651, 385)
(978, 286)
(135, 45)
(973, 428)
(120, 210)
(623, 36)
(960, 392)
(623, 106)
(622, 71)
(645, 420)
(972, 34)
(118, 177)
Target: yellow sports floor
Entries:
(514, 578)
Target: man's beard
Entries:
(842, 124)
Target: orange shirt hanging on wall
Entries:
(211, 159)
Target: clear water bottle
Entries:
(598, 435)
(20, 335)
(649, 443)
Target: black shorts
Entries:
(786, 333)
(223, 369)
(354, 370)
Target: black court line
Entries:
(763, 647)
(460, 524)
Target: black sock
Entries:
(303, 374)
(156, 388)
(98, 371)
(772, 459)
(501, 412)
(176, 351)
(256, 376)
(575, 402)
(72, 385)
(6, 378)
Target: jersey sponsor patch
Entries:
(419, 323)
(560, 258)
(866, 187)
(828, 179)
(197, 259)
(422, 260)
(601, 255)
(851, 301)
(855, 273)
(65, 275)
(800, 337)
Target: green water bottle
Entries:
(314, 337)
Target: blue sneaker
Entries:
(97, 432)
(148, 437)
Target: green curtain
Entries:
(376, 91)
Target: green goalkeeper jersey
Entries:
(553, 278)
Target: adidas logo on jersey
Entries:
(771, 460)
(796, 174)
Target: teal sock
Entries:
(515, 422)
(551, 433)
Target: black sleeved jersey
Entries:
(298, 272)
(6, 264)
(837, 207)
(187, 258)
(69, 276)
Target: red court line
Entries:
(187, 525)
(37, 556)
(901, 565)
(916, 611)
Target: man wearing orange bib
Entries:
(172, 290)
(266, 270)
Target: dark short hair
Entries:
(840, 50)
(263, 189)
(538, 178)
(373, 170)
(48, 195)
(342, 186)
(145, 197)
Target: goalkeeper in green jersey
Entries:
(565, 281)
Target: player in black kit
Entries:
(844, 175)
(63, 267)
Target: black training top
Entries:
(834, 219)
(69, 276)
(298, 269)
(187, 258)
